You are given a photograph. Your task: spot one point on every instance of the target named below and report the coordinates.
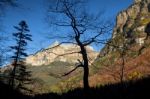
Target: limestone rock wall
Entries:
(60, 53)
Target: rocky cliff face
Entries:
(132, 30)
(132, 27)
(65, 53)
(128, 51)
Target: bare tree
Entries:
(80, 28)
(122, 52)
(121, 47)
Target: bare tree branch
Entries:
(58, 55)
(54, 75)
(68, 53)
(78, 65)
(71, 71)
(61, 24)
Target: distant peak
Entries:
(54, 44)
(136, 1)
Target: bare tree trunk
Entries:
(85, 77)
(86, 71)
(122, 68)
(12, 79)
(86, 68)
(85, 65)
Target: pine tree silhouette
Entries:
(19, 74)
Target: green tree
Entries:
(19, 72)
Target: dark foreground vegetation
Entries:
(139, 89)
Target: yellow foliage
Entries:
(55, 89)
(134, 75)
(145, 21)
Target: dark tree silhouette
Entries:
(84, 29)
(147, 30)
(21, 37)
(23, 76)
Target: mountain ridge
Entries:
(131, 34)
(63, 52)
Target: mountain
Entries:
(128, 51)
(126, 54)
(48, 65)
(132, 27)
(64, 53)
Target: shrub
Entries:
(134, 75)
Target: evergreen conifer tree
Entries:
(19, 74)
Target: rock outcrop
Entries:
(132, 27)
(65, 53)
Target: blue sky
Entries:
(34, 13)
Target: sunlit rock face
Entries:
(132, 27)
(65, 53)
(136, 1)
